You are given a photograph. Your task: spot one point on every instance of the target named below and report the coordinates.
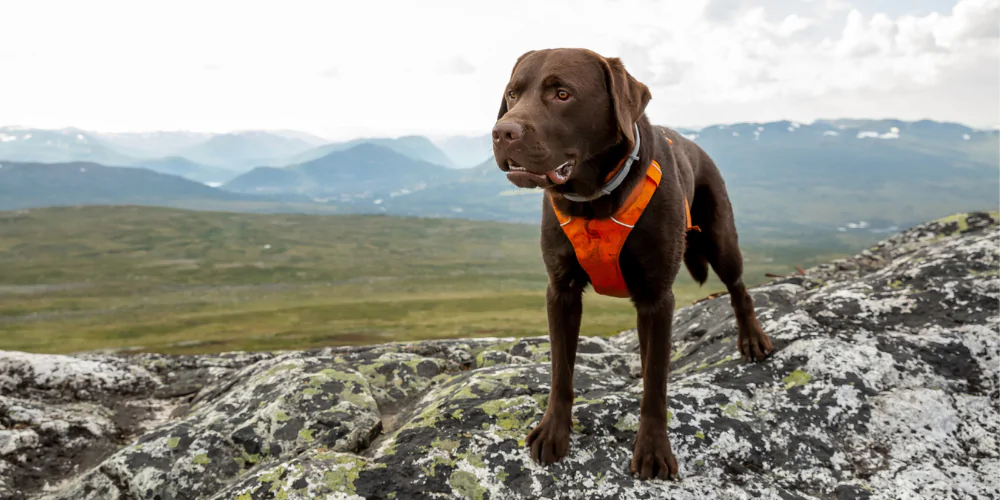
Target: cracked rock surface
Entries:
(884, 384)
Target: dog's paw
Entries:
(755, 345)
(652, 456)
(549, 441)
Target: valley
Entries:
(168, 280)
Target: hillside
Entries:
(182, 167)
(24, 185)
(153, 144)
(239, 151)
(882, 385)
(367, 172)
(56, 146)
(413, 146)
(114, 150)
(180, 281)
(466, 150)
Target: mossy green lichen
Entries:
(371, 372)
(627, 423)
(498, 347)
(706, 365)
(731, 410)
(282, 368)
(446, 445)
(960, 219)
(344, 473)
(427, 418)
(361, 400)
(797, 377)
(172, 442)
(307, 435)
(202, 459)
(465, 484)
(699, 435)
(482, 362)
(475, 460)
(247, 459)
(431, 470)
(512, 415)
(273, 475)
(992, 273)
(539, 351)
(677, 354)
(542, 400)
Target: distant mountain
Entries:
(242, 150)
(848, 176)
(158, 144)
(480, 192)
(366, 172)
(413, 146)
(24, 185)
(466, 151)
(786, 179)
(840, 173)
(63, 145)
(154, 144)
(182, 167)
(315, 140)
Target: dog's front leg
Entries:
(549, 441)
(652, 456)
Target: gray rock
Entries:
(884, 384)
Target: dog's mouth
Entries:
(524, 178)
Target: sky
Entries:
(438, 67)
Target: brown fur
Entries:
(538, 131)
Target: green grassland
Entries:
(170, 280)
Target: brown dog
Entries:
(568, 120)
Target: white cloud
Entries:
(437, 67)
(792, 25)
(457, 66)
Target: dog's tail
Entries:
(694, 257)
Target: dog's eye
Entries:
(562, 95)
(510, 94)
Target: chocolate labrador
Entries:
(572, 123)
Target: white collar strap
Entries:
(616, 180)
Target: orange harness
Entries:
(598, 242)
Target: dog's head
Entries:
(560, 108)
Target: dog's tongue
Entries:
(559, 175)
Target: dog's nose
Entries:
(506, 132)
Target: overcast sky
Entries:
(346, 69)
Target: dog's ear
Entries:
(503, 100)
(628, 96)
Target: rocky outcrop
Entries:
(883, 385)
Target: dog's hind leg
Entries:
(712, 212)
